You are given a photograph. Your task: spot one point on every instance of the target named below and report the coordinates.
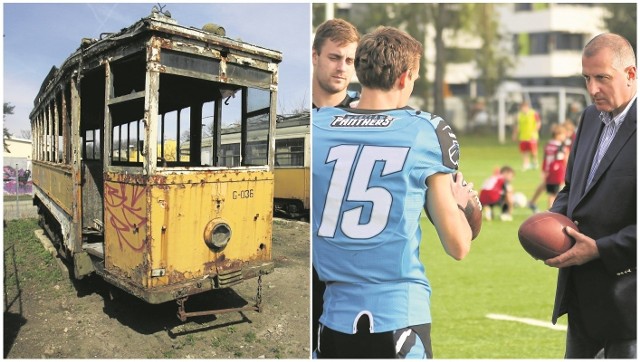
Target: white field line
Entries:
(529, 321)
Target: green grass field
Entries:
(497, 277)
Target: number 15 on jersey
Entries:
(353, 170)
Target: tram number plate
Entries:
(243, 194)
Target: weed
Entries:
(190, 340)
(250, 337)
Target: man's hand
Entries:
(583, 251)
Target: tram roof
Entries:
(160, 23)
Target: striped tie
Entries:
(606, 137)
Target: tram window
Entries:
(184, 130)
(290, 152)
(199, 120)
(256, 154)
(92, 144)
(116, 149)
(231, 112)
(167, 138)
(257, 127)
(67, 128)
(136, 132)
(125, 146)
(207, 133)
(59, 142)
(230, 155)
(129, 74)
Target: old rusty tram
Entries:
(115, 190)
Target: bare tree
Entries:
(25, 133)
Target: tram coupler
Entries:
(183, 314)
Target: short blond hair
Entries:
(337, 30)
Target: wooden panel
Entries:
(56, 181)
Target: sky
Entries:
(38, 36)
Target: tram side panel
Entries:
(126, 230)
(56, 182)
(161, 245)
(292, 185)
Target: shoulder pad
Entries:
(448, 143)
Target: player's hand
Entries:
(461, 190)
(583, 251)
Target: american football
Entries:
(472, 211)
(543, 237)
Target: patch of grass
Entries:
(216, 342)
(190, 340)
(277, 353)
(169, 354)
(23, 251)
(250, 337)
(497, 276)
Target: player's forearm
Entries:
(456, 236)
(450, 222)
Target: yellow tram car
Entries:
(292, 177)
(114, 187)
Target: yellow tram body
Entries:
(298, 190)
(154, 232)
(125, 194)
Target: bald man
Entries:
(597, 276)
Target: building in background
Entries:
(544, 41)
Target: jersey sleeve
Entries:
(444, 156)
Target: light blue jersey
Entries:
(369, 187)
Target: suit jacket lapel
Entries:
(626, 130)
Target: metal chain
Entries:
(259, 295)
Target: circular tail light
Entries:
(217, 234)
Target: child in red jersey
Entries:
(497, 191)
(554, 164)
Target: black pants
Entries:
(581, 345)
(317, 299)
(363, 344)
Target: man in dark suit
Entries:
(597, 276)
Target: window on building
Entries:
(523, 6)
(566, 41)
(539, 43)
